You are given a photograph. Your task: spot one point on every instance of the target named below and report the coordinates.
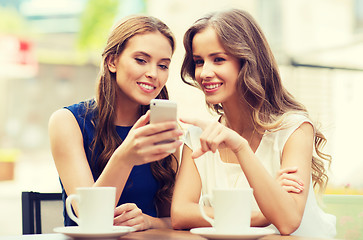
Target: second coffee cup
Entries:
(232, 209)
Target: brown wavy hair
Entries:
(259, 81)
(106, 138)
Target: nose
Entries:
(151, 72)
(207, 71)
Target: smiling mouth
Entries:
(146, 86)
(212, 86)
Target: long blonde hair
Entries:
(106, 138)
(259, 81)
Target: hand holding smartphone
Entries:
(162, 110)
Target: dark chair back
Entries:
(35, 209)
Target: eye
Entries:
(140, 60)
(219, 59)
(163, 66)
(198, 62)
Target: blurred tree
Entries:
(12, 22)
(96, 22)
(98, 18)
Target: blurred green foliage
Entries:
(12, 22)
(349, 212)
(96, 22)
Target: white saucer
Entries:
(251, 233)
(75, 232)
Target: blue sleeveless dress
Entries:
(141, 185)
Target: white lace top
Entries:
(215, 173)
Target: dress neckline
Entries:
(237, 164)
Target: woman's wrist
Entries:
(243, 146)
(155, 222)
(122, 159)
(148, 222)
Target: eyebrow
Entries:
(149, 56)
(212, 54)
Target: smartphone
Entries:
(162, 110)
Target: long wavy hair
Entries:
(259, 81)
(106, 138)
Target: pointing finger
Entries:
(197, 153)
(194, 121)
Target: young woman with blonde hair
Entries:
(262, 132)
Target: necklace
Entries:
(236, 181)
(226, 157)
(224, 121)
(232, 170)
(250, 141)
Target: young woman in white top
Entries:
(262, 132)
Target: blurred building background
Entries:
(50, 52)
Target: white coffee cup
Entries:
(95, 208)
(232, 209)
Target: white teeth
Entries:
(212, 86)
(148, 87)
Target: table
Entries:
(152, 234)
